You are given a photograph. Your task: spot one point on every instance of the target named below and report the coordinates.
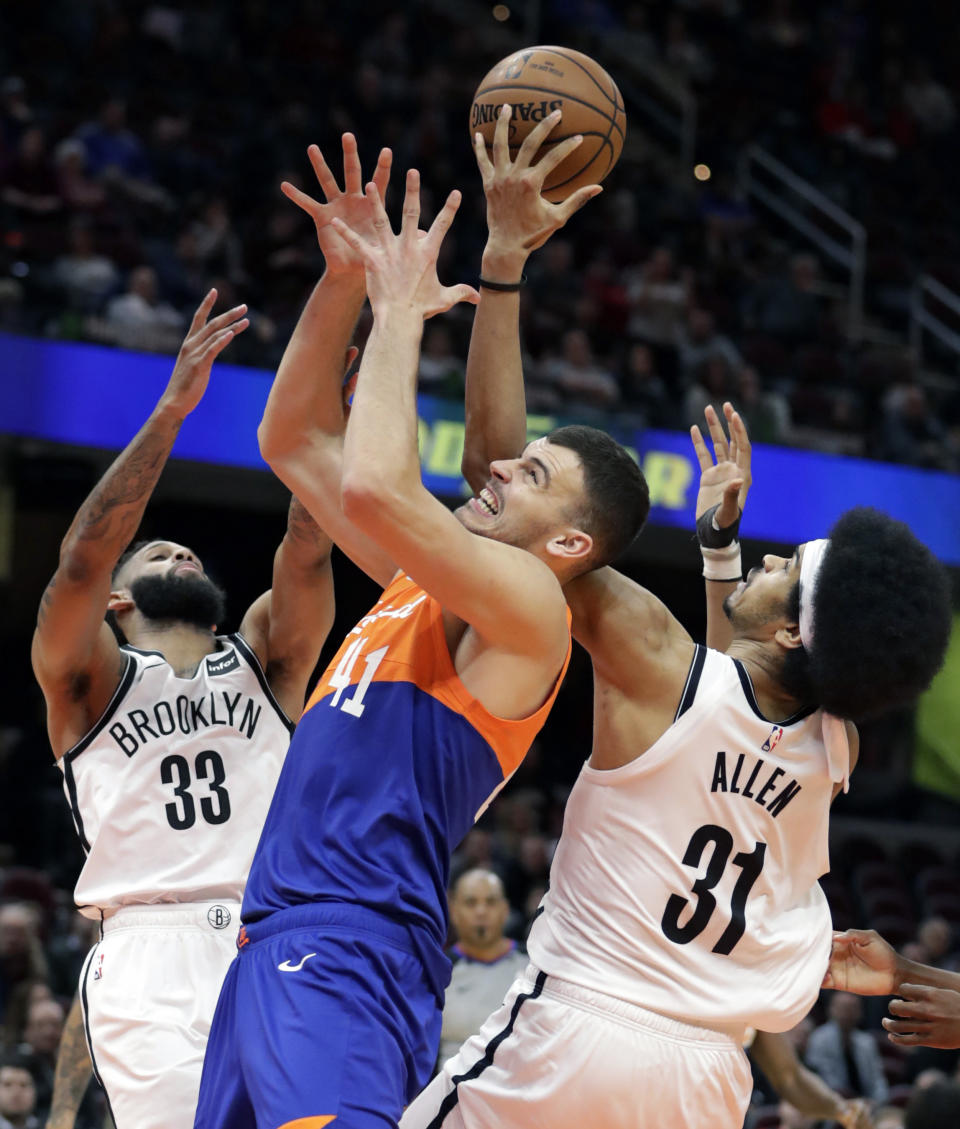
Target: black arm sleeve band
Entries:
(712, 538)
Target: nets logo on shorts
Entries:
(218, 916)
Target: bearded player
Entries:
(170, 746)
(684, 905)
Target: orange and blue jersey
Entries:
(390, 765)
(341, 968)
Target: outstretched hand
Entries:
(204, 342)
(519, 218)
(861, 961)
(726, 482)
(925, 1017)
(402, 268)
(350, 204)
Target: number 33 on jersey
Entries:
(170, 788)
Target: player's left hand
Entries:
(349, 204)
(402, 268)
(727, 481)
(519, 218)
(929, 1017)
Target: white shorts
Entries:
(148, 990)
(557, 1056)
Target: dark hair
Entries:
(881, 622)
(19, 1060)
(128, 553)
(617, 498)
(933, 1106)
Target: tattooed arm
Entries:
(73, 1071)
(75, 656)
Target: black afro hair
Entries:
(882, 617)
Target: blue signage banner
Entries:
(99, 397)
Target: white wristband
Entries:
(723, 564)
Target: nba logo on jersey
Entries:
(773, 740)
(98, 971)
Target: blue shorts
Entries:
(330, 1013)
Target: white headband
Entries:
(834, 728)
(810, 562)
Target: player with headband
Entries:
(684, 905)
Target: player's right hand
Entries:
(519, 218)
(350, 204)
(726, 482)
(856, 1114)
(861, 961)
(204, 342)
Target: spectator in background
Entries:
(644, 389)
(786, 306)
(934, 1107)
(712, 385)
(658, 296)
(140, 319)
(80, 191)
(41, 1038)
(21, 954)
(16, 115)
(583, 385)
(18, 1095)
(112, 149)
(766, 412)
(22, 998)
(935, 935)
(698, 341)
(485, 962)
(911, 433)
(441, 371)
(846, 1058)
(86, 277)
(32, 196)
(929, 101)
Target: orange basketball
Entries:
(538, 80)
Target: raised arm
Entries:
(301, 434)
(519, 220)
(507, 595)
(75, 655)
(724, 486)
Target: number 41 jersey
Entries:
(170, 788)
(686, 881)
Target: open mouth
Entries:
(486, 502)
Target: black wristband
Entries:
(711, 538)
(503, 287)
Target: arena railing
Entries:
(921, 318)
(666, 107)
(810, 213)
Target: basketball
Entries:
(538, 80)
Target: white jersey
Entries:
(170, 789)
(685, 882)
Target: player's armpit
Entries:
(509, 596)
(631, 636)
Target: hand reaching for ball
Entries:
(519, 217)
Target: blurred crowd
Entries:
(141, 149)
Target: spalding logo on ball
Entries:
(538, 80)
